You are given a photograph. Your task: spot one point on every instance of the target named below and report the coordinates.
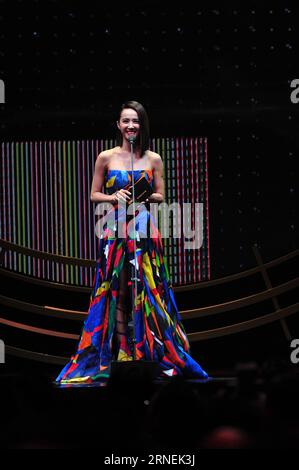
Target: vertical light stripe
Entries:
(166, 186)
(10, 192)
(182, 179)
(3, 202)
(89, 148)
(85, 201)
(51, 208)
(197, 198)
(75, 225)
(65, 230)
(202, 170)
(32, 214)
(178, 168)
(188, 185)
(69, 207)
(21, 207)
(4, 191)
(194, 276)
(207, 209)
(54, 219)
(28, 241)
(18, 205)
(79, 226)
(13, 204)
(174, 198)
(37, 209)
(60, 193)
(29, 206)
(45, 197)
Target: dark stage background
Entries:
(218, 70)
(223, 71)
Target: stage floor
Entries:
(211, 381)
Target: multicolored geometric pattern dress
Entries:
(159, 333)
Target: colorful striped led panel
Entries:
(45, 205)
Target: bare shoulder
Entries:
(155, 159)
(105, 156)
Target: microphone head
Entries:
(132, 139)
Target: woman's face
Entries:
(128, 123)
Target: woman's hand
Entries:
(122, 195)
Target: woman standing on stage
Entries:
(159, 333)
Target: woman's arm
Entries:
(96, 194)
(158, 173)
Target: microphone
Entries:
(132, 139)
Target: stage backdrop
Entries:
(45, 205)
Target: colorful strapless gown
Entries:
(159, 333)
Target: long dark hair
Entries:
(144, 125)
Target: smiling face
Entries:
(128, 123)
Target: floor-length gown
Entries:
(159, 333)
